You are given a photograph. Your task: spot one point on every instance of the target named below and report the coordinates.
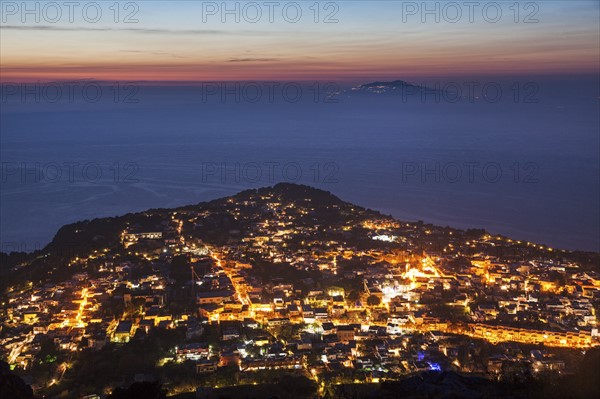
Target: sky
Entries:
(303, 40)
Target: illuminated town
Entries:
(289, 282)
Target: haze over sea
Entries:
(417, 158)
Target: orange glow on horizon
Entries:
(275, 72)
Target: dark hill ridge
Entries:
(395, 83)
(77, 238)
(291, 192)
(285, 192)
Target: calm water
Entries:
(527, 170)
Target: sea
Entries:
(517, 156)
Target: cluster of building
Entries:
(319, 287)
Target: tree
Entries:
(373, 300)
(287, 332)
(180, 269)
(48, 351)
(353, 296)
(558, 279)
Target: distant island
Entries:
(290, 286)
(396, 86)
(392, 84)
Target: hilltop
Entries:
(305, 206)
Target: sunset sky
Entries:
(176, 41)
